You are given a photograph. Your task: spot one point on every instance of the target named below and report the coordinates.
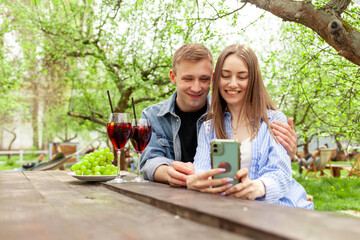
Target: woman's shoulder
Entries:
(276, 115)
(208, 124)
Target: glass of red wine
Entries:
(140, 137)
(119, 130)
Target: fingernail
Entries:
(222, 169)
(229, 186)
(223, 193)
(229, 180)
(235, 178)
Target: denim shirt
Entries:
(164, 146)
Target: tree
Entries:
(314, 86)
(331, 20)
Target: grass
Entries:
(331, 194)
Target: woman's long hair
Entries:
(257, 100)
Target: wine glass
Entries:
(119, 130)
(140, 137)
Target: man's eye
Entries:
(188, 79)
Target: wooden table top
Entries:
(54, 205)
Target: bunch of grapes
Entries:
(96, 163)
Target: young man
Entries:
(176, 121)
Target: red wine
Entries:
(119, 134)
(140, 137)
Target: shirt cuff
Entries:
(152, 164)
(272, 190)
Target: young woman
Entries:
(242, 109)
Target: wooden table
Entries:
(53, 205)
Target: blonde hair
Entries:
(191, 51)
(256, 101)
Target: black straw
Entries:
(132, 100)
(112, 111)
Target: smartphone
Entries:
(225, 153)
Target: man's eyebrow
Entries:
(187, 76)
(205, 76)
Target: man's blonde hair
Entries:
(193, 52)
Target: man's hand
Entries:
(286, 135)
(178, 172)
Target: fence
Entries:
(49, 152)
(21, 153)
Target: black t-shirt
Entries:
(188, 132)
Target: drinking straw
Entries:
(132, 100)
(112, 111)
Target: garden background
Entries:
(59, 57)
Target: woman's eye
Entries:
(223, 76)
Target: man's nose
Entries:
(196, 87)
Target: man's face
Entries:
(192, 81)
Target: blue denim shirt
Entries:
(164, 146)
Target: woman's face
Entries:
(233, 80)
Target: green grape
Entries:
(97, 173)
(95, 163)
(110, 157)
(87, 172)
(96, 154)
(107, 172)
(113, 168)
(75, 167)
(78, 172)
(97, 169)
(102, 169)
(108, 166)
(89, 165)
(107, 150)
(85, 163)
(83, 168)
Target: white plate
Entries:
(97, 178)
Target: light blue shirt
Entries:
(270, 162)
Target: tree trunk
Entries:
(306, 148)
(34, 115)
(12, 141)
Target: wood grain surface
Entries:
(52, 205)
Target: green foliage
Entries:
(312, 84)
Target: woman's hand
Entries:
(203, 182)
(246, 189)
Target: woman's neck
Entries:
(237, 116)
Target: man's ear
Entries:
(172, 77)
